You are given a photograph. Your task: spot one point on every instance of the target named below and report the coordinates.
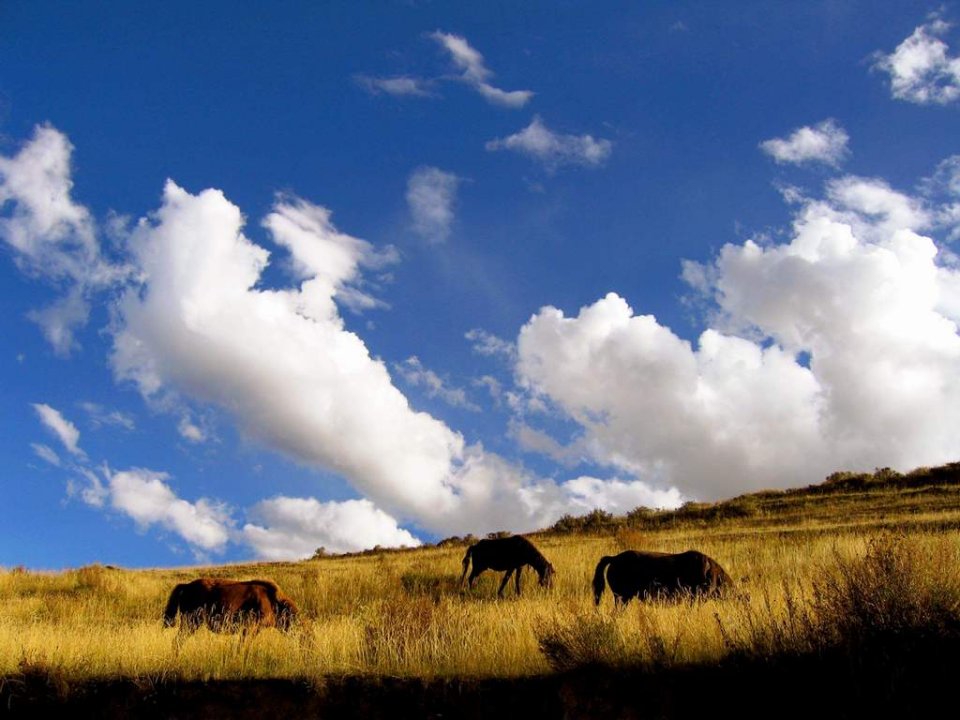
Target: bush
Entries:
(583, 641)
(892, 600)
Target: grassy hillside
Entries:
(859, 559)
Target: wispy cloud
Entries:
(486, 343)
(414, 373)
(921, 68)
(101, 416)
(398, 86)
(52, 236)
(431, 194)
(476, 74)
(46, 453)
(825, 143)
(554, 149)
(189, 430)
(65, 430)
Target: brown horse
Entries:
(509, 554)
(659, 575)
(229, 605)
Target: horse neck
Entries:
(539, 563)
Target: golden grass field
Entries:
(801, 562)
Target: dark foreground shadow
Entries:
(795, 687)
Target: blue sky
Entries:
(348, 274)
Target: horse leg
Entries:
(503, 584)
(518, 571)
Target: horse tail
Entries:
(173, 605)
(599, 580)
(466, 563)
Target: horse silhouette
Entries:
(509, 554)
(229, 605)
(658, 575)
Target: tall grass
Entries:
(860, 591)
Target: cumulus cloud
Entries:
(50, 233)
(553, 149)
(431, 194)
(399, 86)
(283, 365)
(921, 68)
(475, 72)
(414, 373)
(286, 528)
(194, 321)
(617, 496)
(65, 430)
(144, 496)
(837, 349)
(279, 360)
(825, 143)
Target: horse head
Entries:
(546, 577)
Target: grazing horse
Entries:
(229, 604)
(656, 574)
(509, 554)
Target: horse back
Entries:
(504, 553)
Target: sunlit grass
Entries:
(403, 613)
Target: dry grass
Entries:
(821, 575)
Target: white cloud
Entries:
(825, 142)
(921, 69)
(94, 492)
(283, 365)
(399, 86)
(59, 320)
(489, 345)
(617, 496)
(193, 321)
(288, 528)
(476, 74)
(189, 430)
(431, 194)
(52, 236)
(148, 499)
(279, 360)
(46, 453)
(553, 149)
(856, 290)
(100, 416)
(414, 373)
(65, 430)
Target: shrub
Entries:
(578, 642)
(892, 600)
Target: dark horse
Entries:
(509, 554)
(229, 604)
(658, 575)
